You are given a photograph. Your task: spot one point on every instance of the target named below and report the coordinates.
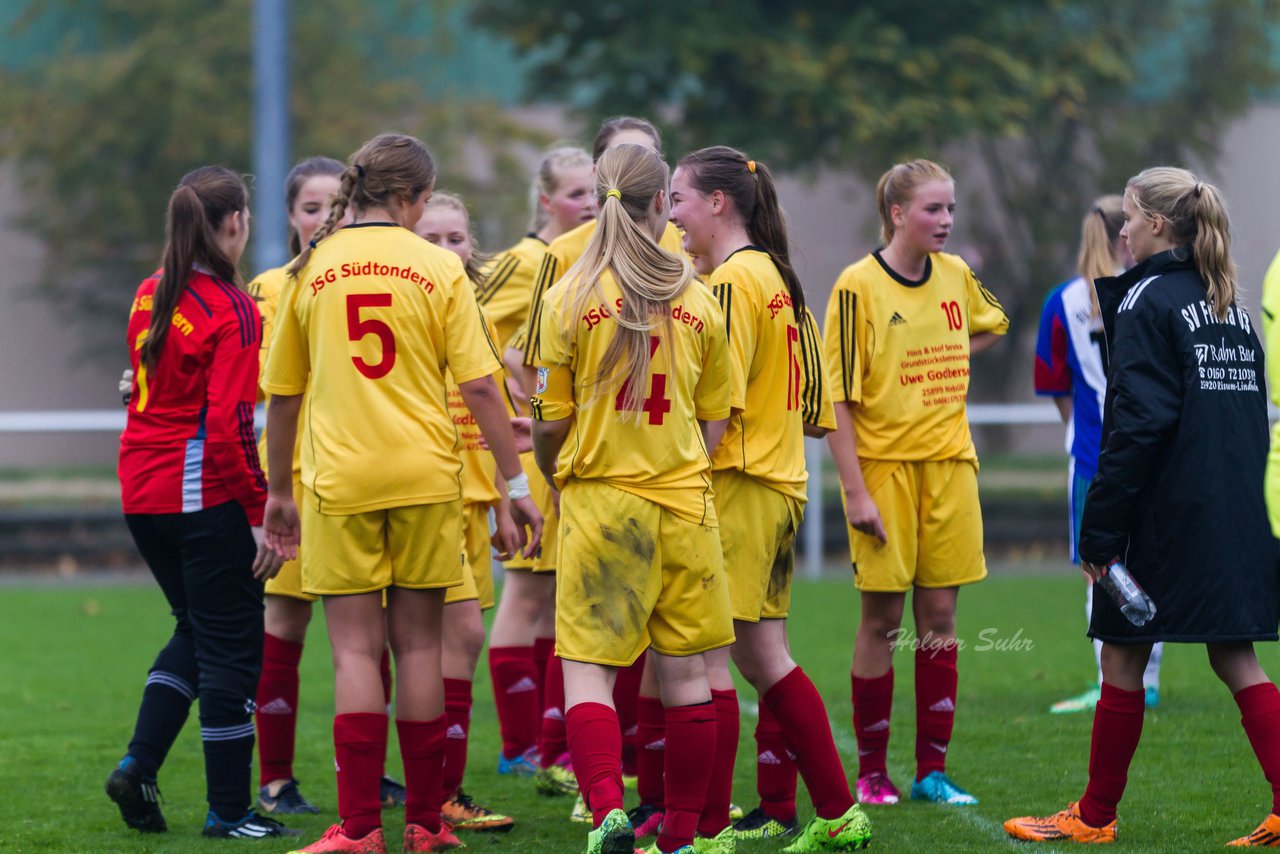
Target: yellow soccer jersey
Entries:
(1271, 335)
(662, 458)
(900, 350)
(563, 252)
(265, 289)
(778, 378)
(369, 327)
(508, 283)
(479, 468)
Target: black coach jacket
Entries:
(1179, 490)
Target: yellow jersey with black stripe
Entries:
(560, 255)
(779, 382)
(508, 282)
(658, 452)
(479, 468)
(265, 289)
(899, 349)
(366, 330)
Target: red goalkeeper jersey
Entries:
(189, 442)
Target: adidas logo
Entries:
(944, 705)
(897, 320)
(455, 731)
(278, 706)
(523, 685)
(768, 758)
(660, 744)
(878, 726)
(553, 714)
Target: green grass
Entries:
(74, 659)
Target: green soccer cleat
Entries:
(580, 813)
(654, 849)
(758, 824)
(555, 780)
(613, 836)
(724, 842)
(1079, 703)
(849, 832)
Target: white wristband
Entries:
(518, 487)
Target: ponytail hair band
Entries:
(311, 243)
(617, 194)
(359, 171)
(751, 166)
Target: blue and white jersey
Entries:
(1071, 359)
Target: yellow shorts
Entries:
(288, 581)
(933, 520)
(758, 535)
(540, 491)
(477, 582)
(415, 547)
(633, 574)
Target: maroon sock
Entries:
(422, 747)
(626, 691)
(543, 649)
(936, 680)
(1260, 716)
(360, 743)
(553, 739)
(800, 712)
(651, 729)
(775, 770)
(1117, 727)
(515, 696)
(457, 713)
(691, 749)
(277, 708)
(872, 706)
(715, 809)
(595, 743)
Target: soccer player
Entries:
(727, 206)
(193, 496)
(1069, 368)
(372, 318)
(631, 352)
(901, 325)
(523, 632)
(1180, 476)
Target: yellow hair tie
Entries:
(751, 166)
(617, 194)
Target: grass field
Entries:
(74, 660)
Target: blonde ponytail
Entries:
(1098, 235)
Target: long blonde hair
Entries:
(628, 179)
(1197, 217)
(898, 187)
(476, 264)
(1098, 235)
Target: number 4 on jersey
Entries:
(657, 403)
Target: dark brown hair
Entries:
(298, 176)
(610, 128)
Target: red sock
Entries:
(651, 729)
(384, 670)
(1260, 715)
(691, 749)
(595, 743)
(457, 713)
(515, 695)
(360, 743)
(277, 712)
(553, 739)
(936, 680)
(872, 706)
(543, 649)
(775, 770)
(626, 691)
(1117, 726)
(803, 718)
(715, 809)
(422, 747)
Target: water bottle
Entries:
(1125, 591)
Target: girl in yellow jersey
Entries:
(901, 326)
(372, 319)
(524, 626)
(633, 378)
(727, 206)
(446, 224)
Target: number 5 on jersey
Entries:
(657, 404)
(358, 328)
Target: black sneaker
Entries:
(288, 801)
(252, 826)
(137, 797)
(758, 824)
(391, 792)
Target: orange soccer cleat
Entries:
(1065, 826)
(1266, 836)
(418, 838)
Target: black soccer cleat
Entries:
(391, 792)
(137, 797)
(288, 801)
(252, 826)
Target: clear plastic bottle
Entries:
(1125, 591)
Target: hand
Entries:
(864, 516)
(522, 428)
(507, 536)
(1095, 571)
(282, 526)
(525, 513)
(267, 563)
(126, 385)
